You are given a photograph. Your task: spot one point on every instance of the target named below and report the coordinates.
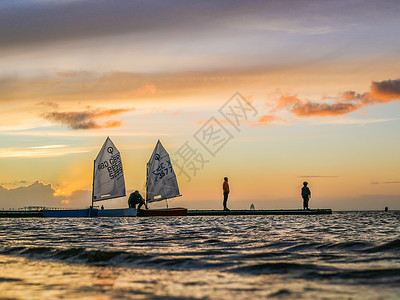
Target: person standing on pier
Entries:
(225, 188)
(306, 194)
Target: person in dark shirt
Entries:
(134, 199)
(225, 188)
(306, 194)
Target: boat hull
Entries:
(167, 212)
(124, 212)
(70, 213)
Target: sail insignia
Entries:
(108, 175)
(161, 179)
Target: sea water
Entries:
(346, 255)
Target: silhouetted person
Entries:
(134, 199)
(306, 194)
(102, 207)
(225, 188)
(386, 208)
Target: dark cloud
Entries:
(317, 176)
(34, 22)
(350, 96)
(21, 182)
(86, 119)
(49, 21)
(76, 199)
(385, 182)
(384, 91)
(49, 104)
(35, 194)
(310, 109)
(306, 108)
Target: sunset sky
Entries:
(320, 81)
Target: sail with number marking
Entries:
(161, 179)
(108, 176)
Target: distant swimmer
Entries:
(225, 188)
(134, 199)
(306, 194)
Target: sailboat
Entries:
(161, 184)
(108, 183)
(108, 180)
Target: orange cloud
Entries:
(285, 101)
(306, 108)
(85, 119)
(222, 121)
(265, 120)
(147, 89)
(309, 109)
(349, 101)
(350, 96)
(123, 86)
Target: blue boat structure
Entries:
(69, 213)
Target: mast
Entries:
(91, 207)
(147, 178)
(94, 169)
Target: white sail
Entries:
(161, 178)
(108, 176)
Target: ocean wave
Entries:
(111, 258)
(349, 245)
(278, 268)
(392, 246)
(377, 276)
(287, 246)
(74, 255)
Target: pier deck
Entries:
(240, 212)
(20, 214)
